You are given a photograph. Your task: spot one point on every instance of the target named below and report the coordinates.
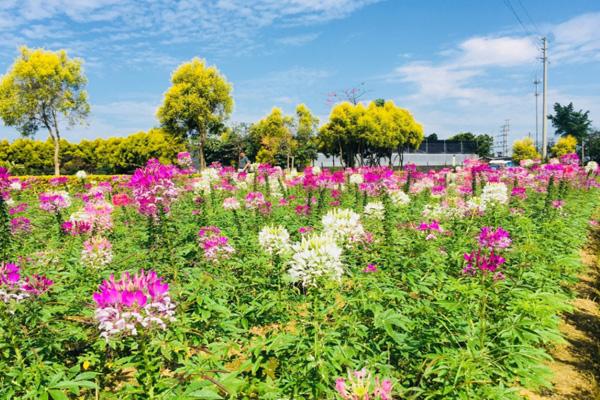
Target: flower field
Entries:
(355, 284)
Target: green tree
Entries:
(41, 88)
(524, 150)
(483, 142)
(197, 104)
(273, 136)
(567, 121)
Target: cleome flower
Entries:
(14, 287)
(214, 245)
(274, 239)
(133, 303)
(375, 210)
(360, 385)
(54, 201)
(314, 258)
(399, 198)
(494, 192)
(97, 252)
(344, 225)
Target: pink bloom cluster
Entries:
(431, 229)
(97, 252)
(20, 225)
(361, 386)
(13, 287)
(121, 200)
(257, 201)
(370, 268)
(154, 188)
(54, 201)
(59, 180)
(486, 258)
(132, 303)
(214, 245)
(185, 162)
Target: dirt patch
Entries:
(576, 364)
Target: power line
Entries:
(512, 9)
(529, 17)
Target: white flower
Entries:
(375, 210)
(201, 186)
(356, 179)
(274, 239)
(526, 163)
(316, 170)
(210, 175)
(17, 186)
(399, 198)
(316, 257)
(591, 166)
(344, 225)
(494, 192)
(81, 175)
(231, 203)
(10, 202)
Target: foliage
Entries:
(197, 103)
(368, 133)
(564, 145)
(103, 156)
(274, 138)
(39, 90)
(567, 121)
(524, 149)
(484, 142)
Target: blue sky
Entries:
(457, 65)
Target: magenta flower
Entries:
(431, 229)
(18, 209)
(558, 204)
(154, 188)
(54, 201)
(370, 268)
(36, 285)
(519, 192)
(214, 245)
(121, 200)
(59, 180)
(494, 238)
(20, 225)
(13, 287)
(133, 303)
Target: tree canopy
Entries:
(39, 90)
(524, 149)
(368, 133)
(483, 142)
(565, 145)
(197, 103)
(567, 121)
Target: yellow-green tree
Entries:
(524, 149)
(197, 103)
(306, 125)
(369, 132)
(40, 89)
(564, 145)
(274, 137)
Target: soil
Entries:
(576, 364)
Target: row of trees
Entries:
(119, 155)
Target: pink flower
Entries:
(121, 200)
(59, 180)
(20, 225)
(12, 287)
(132, 303)
(154, 188)
(558, 204)
(370, 268)
(361, 386)
(214, 245)
(36, 285)
(494, 238)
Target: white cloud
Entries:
(298, 40)
(577, 40)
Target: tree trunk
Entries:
(57, 155)
(201, 140)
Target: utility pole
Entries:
(501, 142)
(536, 82)
(544, 96)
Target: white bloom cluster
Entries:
(113, 321)
(399, 198)
(210, 175)
(17, 186)
(494, 192)
(441, 212)
(96, 253)
(316, 257)
(274, 239)
(375, 210)
(356, 179)
(201, 186)
(81, 175)
(591, 166)
(344, 225)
